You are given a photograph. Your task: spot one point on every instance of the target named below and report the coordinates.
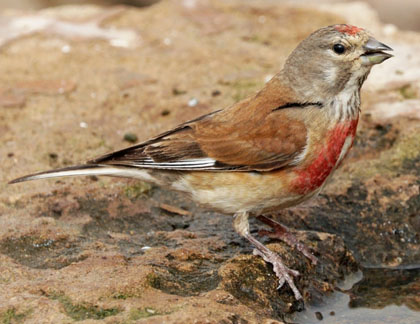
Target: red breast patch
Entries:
(348, 29)
(314, 175)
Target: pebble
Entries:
(319, 316)
(130, 137)
(193, 102)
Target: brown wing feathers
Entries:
(222, 141)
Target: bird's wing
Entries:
(253, 135)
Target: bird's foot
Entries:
(282, 233)
(283, 273)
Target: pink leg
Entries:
(282, 233)
(283, 273)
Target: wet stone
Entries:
(383, 287)
(42, 253)
(185, 283)
(252, 281)
(368, 228)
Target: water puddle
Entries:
(385, 296)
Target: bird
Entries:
(273, 150)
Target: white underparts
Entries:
(346, 146)
(345, 106)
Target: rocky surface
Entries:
(78, 81)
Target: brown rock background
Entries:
(78, 81)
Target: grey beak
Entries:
(374, 52)
(374, 46)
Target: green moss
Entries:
(178, 92)
(137, 190)
(259, 39)
(120, 296)
(244, 88)
(134, 293)
(80, 312)
(394, 160)
(153, 280)
(407, 92)
(136, 314)
(406, 148)
(11, 316)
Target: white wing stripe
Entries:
(182, 164)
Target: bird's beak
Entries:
(374, 52)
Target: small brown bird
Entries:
(272, 150)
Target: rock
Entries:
(119, 250)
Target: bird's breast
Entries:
(326, 157)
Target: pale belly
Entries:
(239, 191)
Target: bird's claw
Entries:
(283, 273)
(282, 233)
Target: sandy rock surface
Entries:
(79, 81)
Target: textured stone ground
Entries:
(84, 249)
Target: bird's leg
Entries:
(282, 233)
(284, 274)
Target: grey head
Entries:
(332, 59)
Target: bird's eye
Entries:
(339, 48)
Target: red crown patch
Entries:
(348, 29)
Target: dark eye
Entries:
(339, 48)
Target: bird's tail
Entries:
(89, 169)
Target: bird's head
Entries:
(333, 59)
